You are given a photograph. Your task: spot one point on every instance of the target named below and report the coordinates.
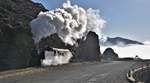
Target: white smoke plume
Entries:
(62, 56)
(70, 22)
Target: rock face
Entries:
(110, 55)
(89, 49)
(16, 42)
(54, 41)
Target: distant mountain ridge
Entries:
(119, 41)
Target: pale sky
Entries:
(125, 18)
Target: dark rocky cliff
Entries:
(16, 41)
(89, 49)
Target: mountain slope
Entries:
(120, 41)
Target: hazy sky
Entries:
(125, 18)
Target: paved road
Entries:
(90, 72)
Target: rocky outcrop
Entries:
(110, 55)
(88, 49)
(16, 42)
(54, 41)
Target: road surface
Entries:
(90, 72)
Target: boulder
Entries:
(110, 55)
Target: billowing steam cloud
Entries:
(69, 22)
